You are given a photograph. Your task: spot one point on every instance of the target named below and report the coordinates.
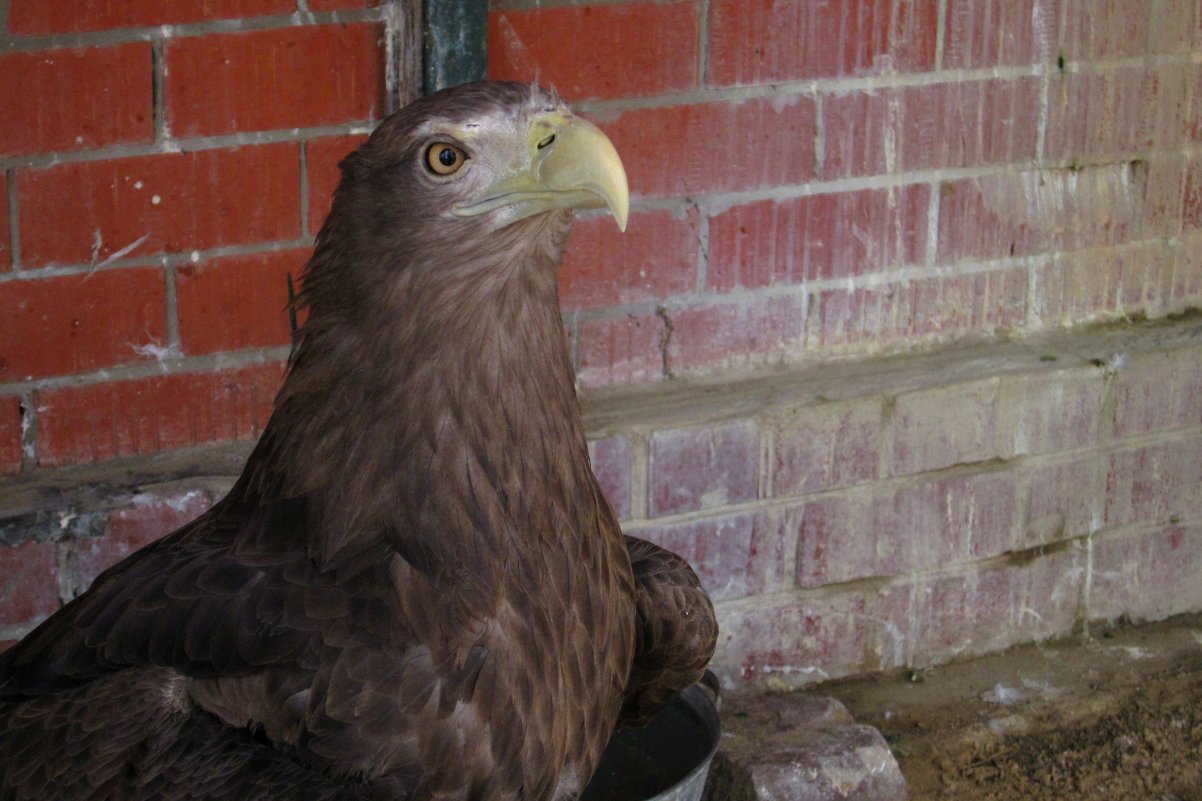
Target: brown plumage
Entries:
(415, 589)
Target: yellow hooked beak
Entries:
(572, 165)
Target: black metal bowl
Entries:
(666, 760)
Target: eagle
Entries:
(415, 589)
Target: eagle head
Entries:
(476, 158)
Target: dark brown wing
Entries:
(127, 735)
(676, 630)
(359, 675)
(84, 694)
(214, 598)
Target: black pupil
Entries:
(447, 157)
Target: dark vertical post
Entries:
(455, 34)
(403, 50)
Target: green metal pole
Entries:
(454, 41)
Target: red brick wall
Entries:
(163, 166)
(811, 181)
(853, 177)
(910, 511)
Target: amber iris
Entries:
(444, 159)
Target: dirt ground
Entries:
(1116, 715)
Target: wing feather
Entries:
(676, 632)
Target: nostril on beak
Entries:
(546, 142)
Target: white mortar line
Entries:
(1087, 585)
(156, 259)
(29, 431)
(640, 474)
(706, 203)
(884, 278)
(933, 209)
(303, 168)
(10, 43)
(174, 346)
(940, 34)
(819, 134)
(14, 223)
(186, 145)
(152, 368)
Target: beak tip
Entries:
(620, 217)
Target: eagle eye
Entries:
(443, 158)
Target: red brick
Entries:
(991, 33)
(937, 308)
(713, 147)
(147, 518)
(81, 213)
(76, 99)
(817, 237)
(1186, 286)
(573, 48)
(1116, 113)
(988, 302)
(280, 78)
(654, 259)
(1191, 213)
(1100, 29)
(1065, 500)
(1104, 284)
(702, 468)
(6, 245)
(861, 319)
(740, 335)
(35, 17)
(937, 428)
(1163, 198)
(826, 446)
(735, 556)
(10, 435)
(128, 418)
(1173, 27)
(334, 5)
(1050, 412)
(762, 41)
(946, 125)
(1147, 575)
(993, 607)
(322, 157)
(237, 302)
(861, 132)
(612, 459)
(77, 323)
(795, 640)
(1157, 392)
(627, 349)
(791, 640)
(930, 525)
(28, 584)
(1154, 483)
(1193, 119)
(1024, 213)
(990, 217)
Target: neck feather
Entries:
(448, 402)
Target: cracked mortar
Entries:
(665, 341)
